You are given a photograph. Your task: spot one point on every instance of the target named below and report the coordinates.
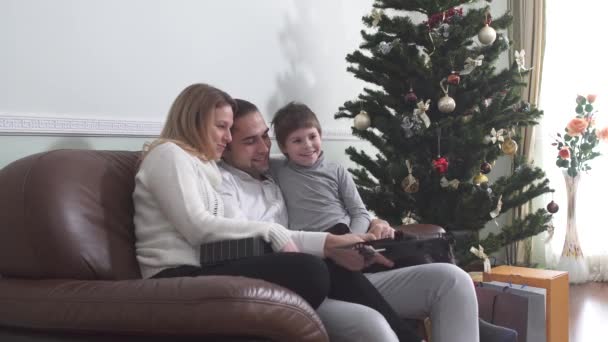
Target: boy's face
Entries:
(250, 146)
(303, 146)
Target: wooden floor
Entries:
(588, 312)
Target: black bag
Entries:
(408, 250)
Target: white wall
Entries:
(117, 58)
(128, 59)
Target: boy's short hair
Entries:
(292, 117)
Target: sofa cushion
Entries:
(68, 214)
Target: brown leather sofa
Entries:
(69, 271)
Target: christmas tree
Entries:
(440, 114)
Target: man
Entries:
(442, 291)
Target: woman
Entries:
(177, 207)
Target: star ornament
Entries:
(495, 136)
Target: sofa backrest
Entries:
(68, 214)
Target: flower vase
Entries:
(572, 259)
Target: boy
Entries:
(320, 195)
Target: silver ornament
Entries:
(487, 35)
(411, 125)
(362, 121)
(446, 104)
(385, 47)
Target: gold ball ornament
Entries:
(509, 147)
(410, 184)
(480, 179)
(446, 104)
(487, 35)
(362, 121)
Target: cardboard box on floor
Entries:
(556, 284)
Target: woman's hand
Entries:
(290, 247)
(351, 258)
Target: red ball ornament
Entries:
(454, 78)
(441, 165)
(411, 96)
(552, 207)
(485, 168)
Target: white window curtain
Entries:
(575, 63)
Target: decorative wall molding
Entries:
(18, 124)
(11, 124)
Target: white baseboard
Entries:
(23, 124)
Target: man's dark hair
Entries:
(292, 117)
(243, 107)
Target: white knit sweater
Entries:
(177, 208)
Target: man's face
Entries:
(250, 146)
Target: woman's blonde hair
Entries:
(193, 109)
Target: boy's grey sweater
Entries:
(320, 196)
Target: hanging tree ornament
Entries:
(411, 125)
(494, 213)
(520, 60)
(479, 179)
(385, 47)
(440, 164)
(471, 63)
(408, 219)
(452, 184)
(376, 16)
(362, 121)
(552, 207)
(454, 78)
(494, 136)
(487, 35)
(485, 168)
(420, 111)
(411, 96)
(410, 184)
(509, 146)
(446, 104)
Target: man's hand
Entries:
(381, 229)
(351, 258)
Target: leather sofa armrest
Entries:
(198, 306)
(420, 229)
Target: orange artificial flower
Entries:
(564, 152)
(577, 126)
(591, 98)
(602, 134)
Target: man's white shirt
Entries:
(248, 198)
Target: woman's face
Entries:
(220, 129)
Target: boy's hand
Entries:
(381, 229)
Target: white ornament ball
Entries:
(362, 121)
(487, 35)
(446, 104)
